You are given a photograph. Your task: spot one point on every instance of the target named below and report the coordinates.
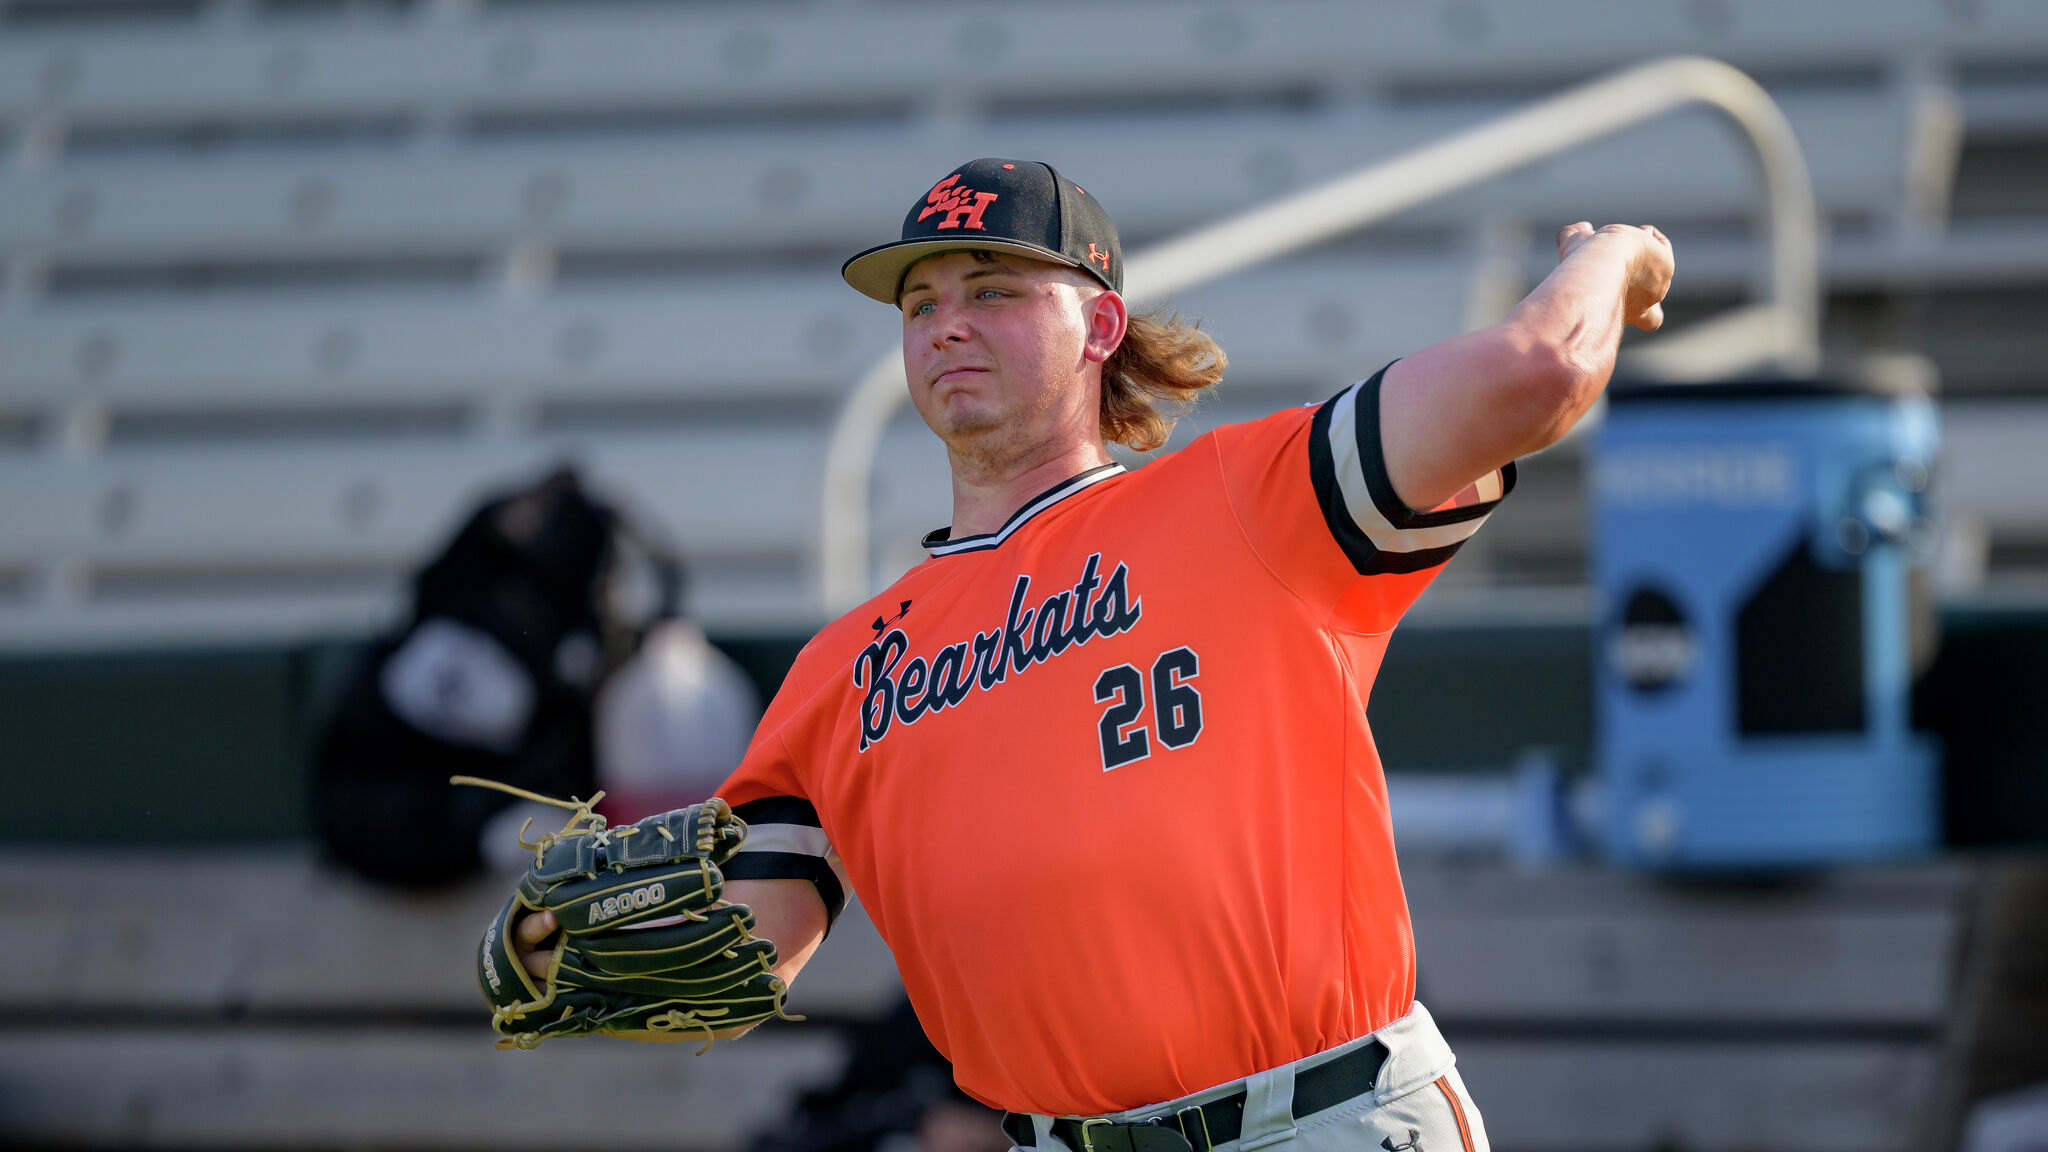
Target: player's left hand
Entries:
(1650, 265)
(531, 932)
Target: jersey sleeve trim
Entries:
(1378, 533)
(785, 842)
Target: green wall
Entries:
(211, 746)
(159, 749)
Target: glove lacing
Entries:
(583, 821)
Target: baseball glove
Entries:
(647, 947)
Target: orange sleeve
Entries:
(785, 839)
(1310, 491)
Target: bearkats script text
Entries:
(1092, 607)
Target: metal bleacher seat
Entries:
(427, 250)
(1592, 1012)
(352, 1020)
(776, 189)
(587, 56)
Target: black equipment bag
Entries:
(510, 635)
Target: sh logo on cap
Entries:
(962, 205)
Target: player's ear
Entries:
(1107, 321)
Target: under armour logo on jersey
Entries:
(1414, 1143)
(1094, 256)
(902, 610)
(963, 206)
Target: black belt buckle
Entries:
(1201, 1125)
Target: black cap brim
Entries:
(878, 272)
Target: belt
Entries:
(1200, 1127)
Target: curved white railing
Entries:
(1787, 322)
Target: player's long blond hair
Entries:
(1154, 377)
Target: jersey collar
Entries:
(940, 542)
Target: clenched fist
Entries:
(1650, 265)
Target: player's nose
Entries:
(949, 325)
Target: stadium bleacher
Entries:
(423, 249)
(286, 285)
(1593, 1012)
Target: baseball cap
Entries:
(1021, 206)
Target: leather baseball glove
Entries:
(647, 946)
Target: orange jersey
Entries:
(1103, 778)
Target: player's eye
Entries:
(923, 309)
(988, 294)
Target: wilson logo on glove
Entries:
(638, 898)
(490, 969)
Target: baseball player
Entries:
(1099, 767)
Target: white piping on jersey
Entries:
(798, 838)
(1358, 496)
(1017, 519)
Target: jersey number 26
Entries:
(1176, 707)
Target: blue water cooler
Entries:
(1753, 561)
